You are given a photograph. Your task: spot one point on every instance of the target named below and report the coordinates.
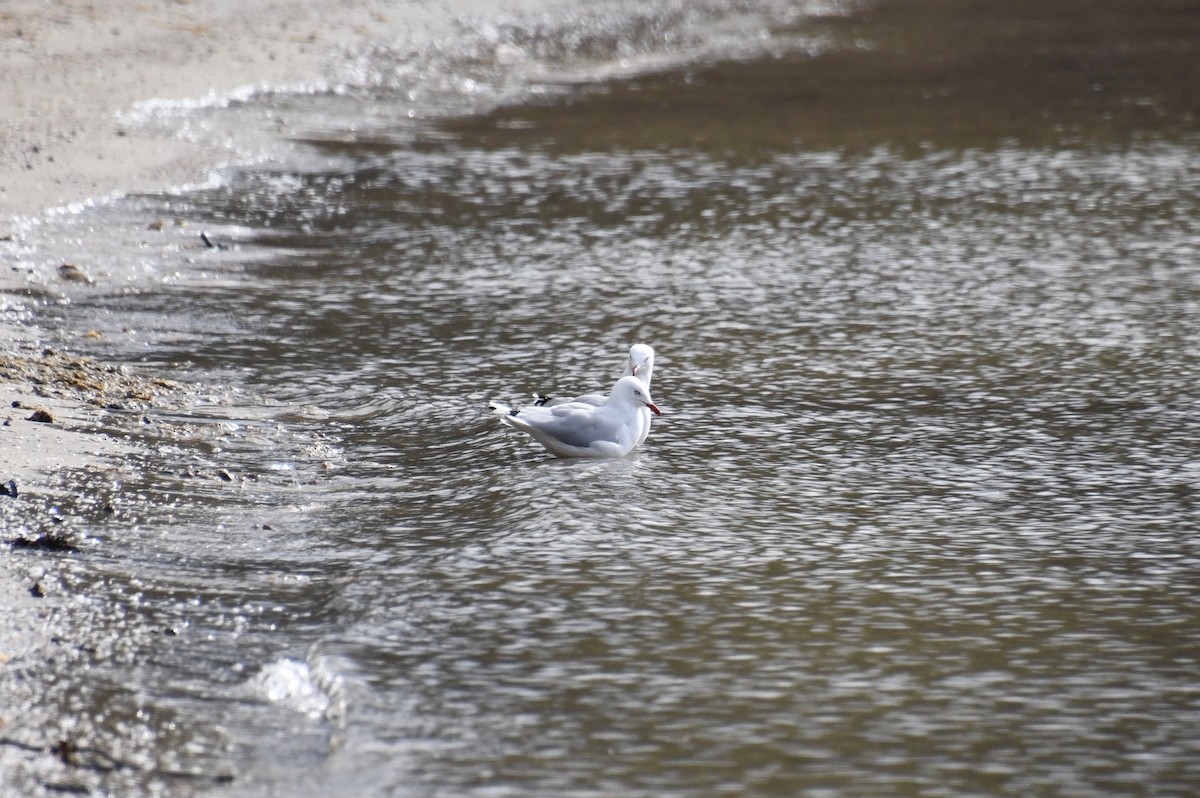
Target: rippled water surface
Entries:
(919, 517)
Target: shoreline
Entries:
(72, 70)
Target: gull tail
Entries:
(501, 409)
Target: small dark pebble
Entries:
(208, 242)
(72, 273)
(36, 591)
(63, 750)
(60, 788)
(225, 475)
(169, 632)
(266, 526)
(41, 416)
(52, 542)
(9, 488)
(16, 404)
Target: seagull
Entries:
(581, 429)
(640, 365)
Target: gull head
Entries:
(631, 391)
(641, 361)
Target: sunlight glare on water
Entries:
(919, 517)
(919, 510)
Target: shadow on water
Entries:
(919, 517)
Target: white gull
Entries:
(581, 429)
(640, 365)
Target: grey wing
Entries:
(573, 424)
(594, 399)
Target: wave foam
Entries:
(291, 683)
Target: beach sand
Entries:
(72, 67)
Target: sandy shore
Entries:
(72, 67)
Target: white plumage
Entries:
(611, 428)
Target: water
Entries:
(919, 517)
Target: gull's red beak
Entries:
(654, 407)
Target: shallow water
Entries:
(919, 517)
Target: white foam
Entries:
(290, 683)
